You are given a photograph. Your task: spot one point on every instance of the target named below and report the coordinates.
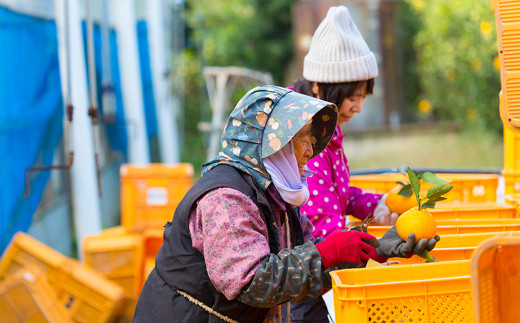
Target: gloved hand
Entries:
(326, 279)
(391, 245)
(382, 214)
(346, 246)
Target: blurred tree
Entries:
(456, 48)
(409, 26)
(251, 33)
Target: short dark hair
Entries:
(333, 92)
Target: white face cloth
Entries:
(283, 168)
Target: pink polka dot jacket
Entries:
(331, 196)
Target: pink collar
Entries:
(337, 138)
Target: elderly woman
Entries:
(237, 246)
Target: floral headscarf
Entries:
(264, 121)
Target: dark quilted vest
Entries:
(183, 267)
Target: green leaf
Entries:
(437, 199)
(416, 185)
(438, 190)
(426, 255)
(431, 178)
(401, 183)
(428, 205)
(406, 190)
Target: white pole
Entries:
(123, 18)
(168, 138)
(87, 215)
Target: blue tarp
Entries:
(31, 114)
(117, 135)
(116, 128)
(146, 79)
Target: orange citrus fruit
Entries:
(419, 222)
(398, 203)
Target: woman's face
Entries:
(350, 105)
(302, 142)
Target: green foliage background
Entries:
(250, 33)
(450, 63)
(447, 60)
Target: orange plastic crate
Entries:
(453, 247)
(467, 187)
(153, 241)
(86, 295)
(118, 257)
(434, 292)
(150, 194)
(495, 272)
(446, 213)
(457, 226)
(512, 181)
(117, 230)
(511, 150)
(463, 211)
(508, 37)
(513, 200)
(125, 258)
(27, 297)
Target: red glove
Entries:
(347, 246)
(373, 255)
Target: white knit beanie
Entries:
(338, 52)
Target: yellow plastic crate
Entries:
(508, 38)
(434, 292)
(27, 297)
(456, 226)
(377, 183)
(151, 193)
(124, 258)
(449, 213)
(118, 257)
(453, 247)
(153, 241)
(86, 295)
(495, 272)
(512, 181)
(513, 200)
(467, 187)
(511, 150)
(117, 230)
(467, 211)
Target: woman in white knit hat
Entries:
(340, 68)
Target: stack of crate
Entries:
(39, 284)
(125, 258)
(434, 292)
(150, 193)
(442, 291)
(470, 213)
(511, 171)
(126, 254)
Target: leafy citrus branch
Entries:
(434, 194)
